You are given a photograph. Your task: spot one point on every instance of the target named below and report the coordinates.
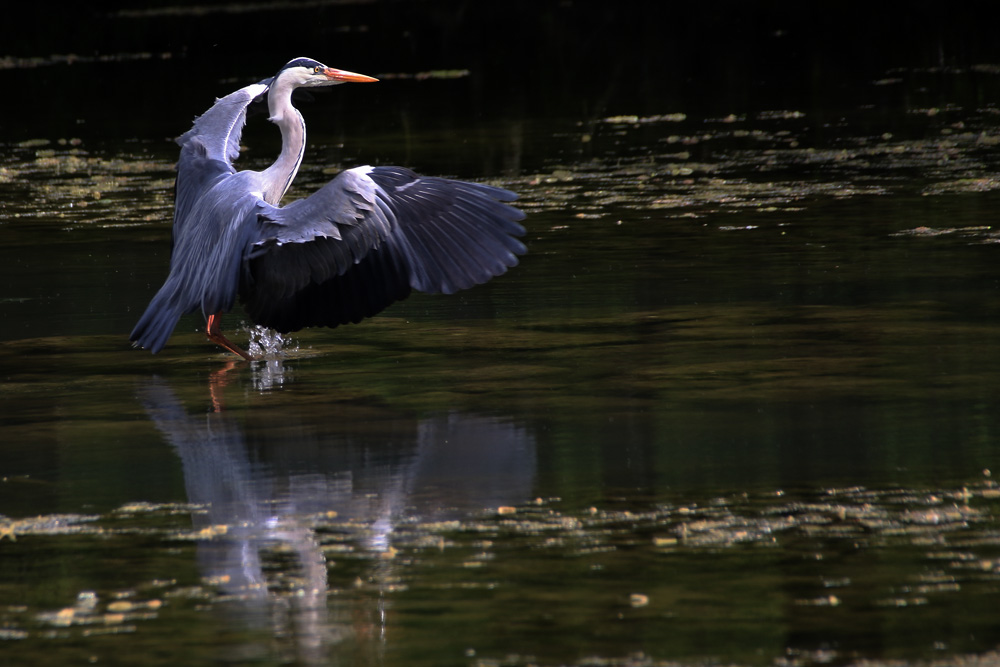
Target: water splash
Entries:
(267, 343)
(268, 349)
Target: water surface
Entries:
(736, 405)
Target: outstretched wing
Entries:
(217, 131)
(209, 148)
(202, 273)
(367, 237)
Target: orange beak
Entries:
(347, 77)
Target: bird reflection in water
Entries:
(270, 497)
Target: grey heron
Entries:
(344, 253)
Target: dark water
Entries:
(736, 406)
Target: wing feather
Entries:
(368, 237)
(217, 132)
(204, 270)
(208, 150)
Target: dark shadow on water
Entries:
(272, 503)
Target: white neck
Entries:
(279, 176)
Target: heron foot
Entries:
(214, 334)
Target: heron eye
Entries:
(317, 70)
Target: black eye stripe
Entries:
(308, 63)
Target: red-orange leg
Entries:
(215, 335)
(217, 381)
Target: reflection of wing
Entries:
(212, 450)
(471, 463)
(263, 485)
(367, 237)
(248, 473)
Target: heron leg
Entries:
(214, 334)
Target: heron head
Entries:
(306, 72)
